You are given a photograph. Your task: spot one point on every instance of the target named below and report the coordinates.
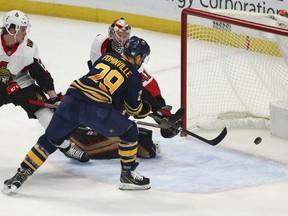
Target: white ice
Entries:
(235, 178)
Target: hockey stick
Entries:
(42, 104)
(150, 124)
(167, 124)
(53, 106)
(163, 124)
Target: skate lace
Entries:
(136, 175)
(24, 174)
(74, 152)
(20, 178)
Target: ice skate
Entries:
(132, 180)
(10, 185)
(75, 153)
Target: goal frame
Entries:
(184, 35)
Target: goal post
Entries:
(232, 67)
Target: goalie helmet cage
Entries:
(232, 67)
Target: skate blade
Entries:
(126, 186)
(8, 190)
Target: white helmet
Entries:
(119, 33)
(17, 18)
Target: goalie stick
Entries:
(164, 123)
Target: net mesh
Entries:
(234, 72)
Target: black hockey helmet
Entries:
(136, 46)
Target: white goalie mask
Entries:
(18, 18)
(119, 33)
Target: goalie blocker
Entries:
(102, 147)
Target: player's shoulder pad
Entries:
(100, 38)
(29, 43)
(29, 48)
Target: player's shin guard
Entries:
(130, 179)
(127, 153)
(33, 160)
(35, 157)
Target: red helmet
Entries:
(119, 33)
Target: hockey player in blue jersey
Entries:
(95, 100)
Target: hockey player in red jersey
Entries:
(23, 76)
(118, 34)
(94, 100)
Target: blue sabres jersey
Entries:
(112, 80)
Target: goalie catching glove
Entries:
(146, 109)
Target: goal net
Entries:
(232, 67)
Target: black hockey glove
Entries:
(146, 109)
(164, 112)
(170, 132)
(173, 119)
(56, 100)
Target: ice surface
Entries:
(189, 178)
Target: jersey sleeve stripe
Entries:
(132, 111)
(91, 92)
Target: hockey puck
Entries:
(257, 140)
